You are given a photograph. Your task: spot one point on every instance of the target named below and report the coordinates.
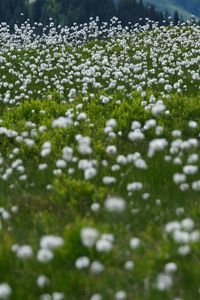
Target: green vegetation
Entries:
(113, 120)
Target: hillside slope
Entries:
(99, 162)
(186, 8)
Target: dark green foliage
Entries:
(67, 12)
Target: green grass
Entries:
(65, 208)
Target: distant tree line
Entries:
(66, 12)
(70, 11)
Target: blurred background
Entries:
(66, 12)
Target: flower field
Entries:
(99, 162)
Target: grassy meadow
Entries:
(99, 162)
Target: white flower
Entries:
(184, 250)
(196, 185)
(96, 267)
(181, 237)
(194, 236)
(111, 149)
(45, 297)
(24, 252)
(115, 204)
(140, 164)
(57, 296)
(60, 163)
(122, 160)
(135, 125)
(51, 242)
(107, 180)
(89, 236)
(172, 226)
(129, 265)
(89, 173)
(170, 267)
(46, 149)
(187, 224)
(121, 295)
(103, 245)
(192, 124)
(136, 135)
(135, 243)
(5, 291)
(193, 158)
(190, 169)
(156, 145)
(62, 122)
(84, 149)
(158, 108)
(67, 153)
(42, 281)
(95, 207)
(42, 167)
(134, 186)
(96, 297)
(164, 282)
(82, 262)
(44, 255)
(111, 123)
(179, 178)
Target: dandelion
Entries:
(115, 204)
(42, 281)
(51, 242)
(89, 236)
(96, 267)
(136, 135)
(164, 282)
(44, 255)
(104, 245)
(96, 297)
(82, 262)
(129, 265)
(190, 169)
(135, 243)
(24, 252)
(57, 296)
(5, 291)
(170, 267)
(184, 250)
(121, 295)
(156, 145)
(89, 173)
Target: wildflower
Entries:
(51, 242)
(135, 243)
(57, 296)
(82, 262)
(136, 135)
(96, 297)
(44, 255)
(164, 282)
(42, 281)
(190, 169)
(5, 291)
(89, 236)
(96, 267)
(24, 252)
(170, 268)
(115, 204)
(103, 245)
(107, 180)
(129, 265)
(121, 295)
(156, 145)
(184, 250)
